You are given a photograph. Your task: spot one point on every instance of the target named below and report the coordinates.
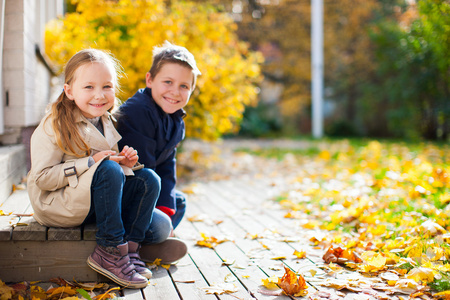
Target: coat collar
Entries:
(93, 137)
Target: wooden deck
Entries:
(257, 243)
(238, 210)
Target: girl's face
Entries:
(171, 87)
(92, 89)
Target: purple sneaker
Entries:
(139, 265)
(115, 264)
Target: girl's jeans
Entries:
(123, 207)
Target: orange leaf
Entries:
(292, 285)
(340, 255)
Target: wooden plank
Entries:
(263, 222)
(133, 294)
(247, 270)
(212, 266)
(189, 280)
(249, 225)
(64, 234)
(89, 232)
(16, 203)
(42, 260)
(29, 230)
(160, 286)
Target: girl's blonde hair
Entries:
(63, 110)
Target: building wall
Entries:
(26, 75)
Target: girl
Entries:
(77, 175)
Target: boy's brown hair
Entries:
(169, 53)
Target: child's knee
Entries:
(111, 169)
(152, 179)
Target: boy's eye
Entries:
(168, 82)
(185, 87)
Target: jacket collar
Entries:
(93, 137)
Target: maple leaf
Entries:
(374, 262)
(340, 255)
(292, 285)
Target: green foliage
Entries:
(412, 80)
(442, 284)
(260, 121)
(131, 28)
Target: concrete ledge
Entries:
(13, 168)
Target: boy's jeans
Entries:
(123, 207)
(180, 198)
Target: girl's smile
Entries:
(92, 89)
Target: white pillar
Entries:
(317, 67)
(2, 35)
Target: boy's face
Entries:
(171, 87)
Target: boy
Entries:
(152, 123)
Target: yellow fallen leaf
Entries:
(431, 228)
(6, 292)
(421, 274)
(271, 283)
(156, 262)
(278, 257)
(442, 295)
(374, 262)
(406, 286)
(60, 290)
(300, 254)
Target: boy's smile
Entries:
(171, 87)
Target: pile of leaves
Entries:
(60, 289)
(384, 207)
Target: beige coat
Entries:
(61, 197)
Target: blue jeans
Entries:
(180, 198)
(161, 225)
(123, 206)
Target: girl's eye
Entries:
(88, 87)
(107, 87)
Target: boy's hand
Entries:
(129, 156)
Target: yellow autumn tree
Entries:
(131, 28)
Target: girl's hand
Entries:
(129, 156)
(98, 156)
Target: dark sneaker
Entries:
(170, 251)
(139, 265)
(115, 264)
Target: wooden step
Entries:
(30, 251)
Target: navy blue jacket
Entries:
(155, 134)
